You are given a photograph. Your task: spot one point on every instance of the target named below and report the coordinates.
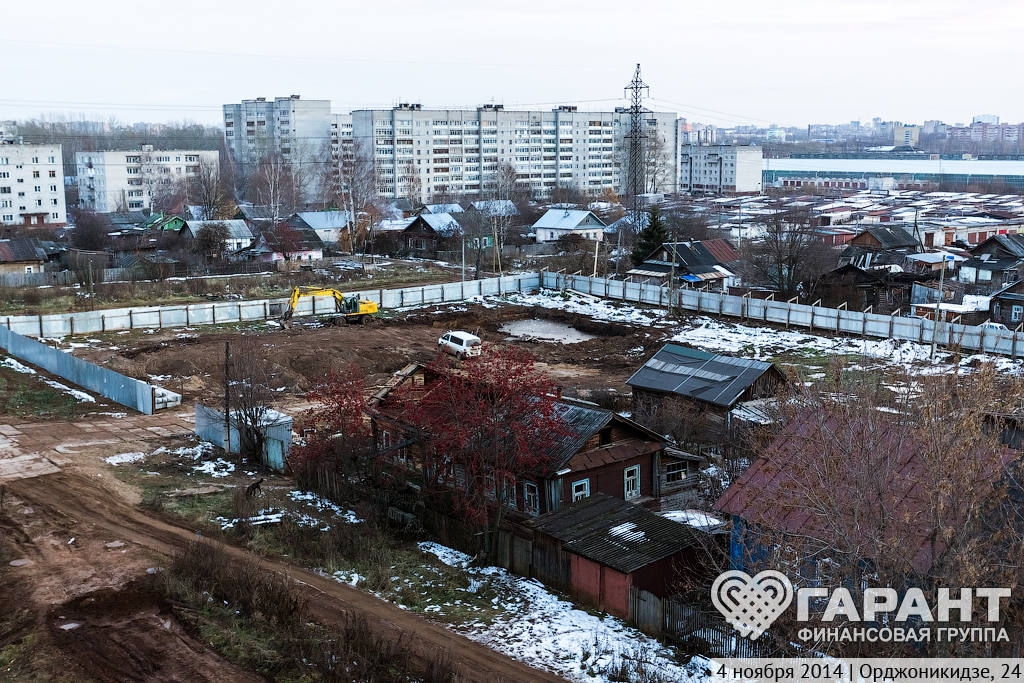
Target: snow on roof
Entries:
(444, 208)
(564, 219)
(395, 223)
(325, 220)
(496, 207)
(443, 223)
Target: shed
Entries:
(605, 550)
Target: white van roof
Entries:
(463, 335)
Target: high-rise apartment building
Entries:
(459, 151)
(127, 180)
(294, 128)
(719, 168)
(31, 184)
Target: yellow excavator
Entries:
(352, 308)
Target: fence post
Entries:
(239, 312)
(40, 325)
(265, 309)
(401, 297)
(160, 318)
(213, 311)
(1013, 341)
(623, 290)
(187, 321)
(423, 295)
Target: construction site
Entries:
(95, 497)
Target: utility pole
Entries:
(635, 180)
(938, 304)
(672, 273)
(227, 397)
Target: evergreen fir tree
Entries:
(651, 237)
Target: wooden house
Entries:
(603, 452)
(712, 384)
(608, 553)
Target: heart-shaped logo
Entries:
(751, 604)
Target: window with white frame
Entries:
(531, 498)
(1016, 313)
(675, 471)
(580, 490)
(631, 482)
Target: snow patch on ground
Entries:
(125, 458)
(215, 468)
(321, 504)
(546, 631)
(763, 342)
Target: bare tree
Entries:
(657, 163)
(251, 395)
(90, 231)
(907, 490)
(208, 191)
(789, 254)
(273, 185)
(211, 240)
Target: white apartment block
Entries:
(341, 138)
(126, 180)
(458, 151)
(294, 128)
(719, 168)
(31, 184)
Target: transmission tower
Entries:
(635, 179)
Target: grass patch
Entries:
(258, 619)
(25, 395)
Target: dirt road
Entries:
(123, 633)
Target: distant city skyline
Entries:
(731, 63)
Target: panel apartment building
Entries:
(458, 151)
(31, 184)
(719, 169)
(294, 128)
(126, 180)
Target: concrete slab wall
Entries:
(91, 322)
(127, 391)
(839, 321)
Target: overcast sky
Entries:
(727, 62)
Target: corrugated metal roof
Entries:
(716, 379)
(615, 533)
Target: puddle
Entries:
(544, 330)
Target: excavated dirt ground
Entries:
(310, 349)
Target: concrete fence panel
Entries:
(127, 391)
(836, 320)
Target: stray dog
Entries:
(254, 489)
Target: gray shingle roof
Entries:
(15, 250)
(615, 533)
(716, 379)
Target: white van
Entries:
(460, 344)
